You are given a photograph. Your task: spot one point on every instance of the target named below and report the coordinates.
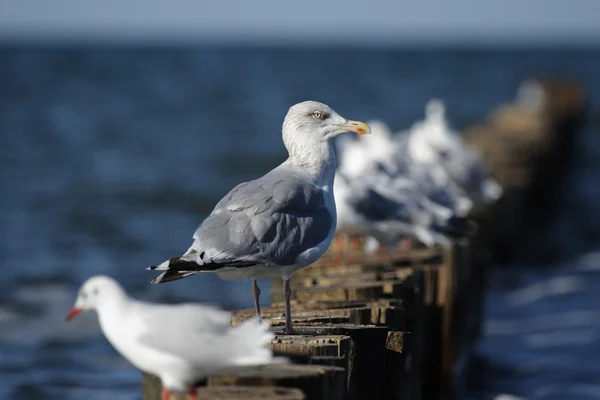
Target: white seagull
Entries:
(434, 146)
(179, 343)
(279, 223)
(380, 193)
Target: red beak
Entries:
(72, 313)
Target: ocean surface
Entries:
(110, 158)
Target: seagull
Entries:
(279, 223)
(388, 208)
(179, 343)
(358, 154)
(440, 152)
(382, 193)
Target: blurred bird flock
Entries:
(416, 184)
(111, 158)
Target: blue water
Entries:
(109, 158)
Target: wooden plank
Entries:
(369, 314)
(391, 274)
(335, 278)
(412, 387)
(317, 382)
(351, 291)
(395, 341)
(316, 346)
(365, 366)
(250, 393)
(415, 257)
(152, 387)
(348, 250)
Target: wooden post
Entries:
(445, 300)
(249, 393)
(389, 312)
(353, 291)
(365, 357)
(317, 382)
(151, 387)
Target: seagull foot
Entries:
(192, 394)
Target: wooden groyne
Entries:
(400, 326)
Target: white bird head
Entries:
(419, 144)
(95, 292)
(314, 122)
(531, 95)
(435, 110)
(358, 153)
(432, 139)
(382, 145)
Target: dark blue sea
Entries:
(110, 158)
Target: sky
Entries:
(378, 21)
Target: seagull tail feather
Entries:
(181, 267)
(249, 340)
(174, 268)
(169, 276)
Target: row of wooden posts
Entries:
(393, 327)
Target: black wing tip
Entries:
(169, 276)
(166, 276)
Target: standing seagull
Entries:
(180, 343)
(277, 224)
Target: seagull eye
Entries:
(318, 114)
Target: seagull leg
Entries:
(337, 258)
(192, 394)
(166, 394)
(256, 295)
(355, 243)
(355, 249)
(383, 252)
(337, 248)
(405, 245)
(287, 292)
(289, 330)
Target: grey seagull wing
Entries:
(267, 221)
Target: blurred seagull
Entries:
(434, 146)
(396, 185)
(179, 343)
(388, 209)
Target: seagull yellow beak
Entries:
(355, 126)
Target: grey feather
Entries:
(267, 221)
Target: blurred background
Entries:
(122, 123)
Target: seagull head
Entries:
(317, 122)
(93, 293)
